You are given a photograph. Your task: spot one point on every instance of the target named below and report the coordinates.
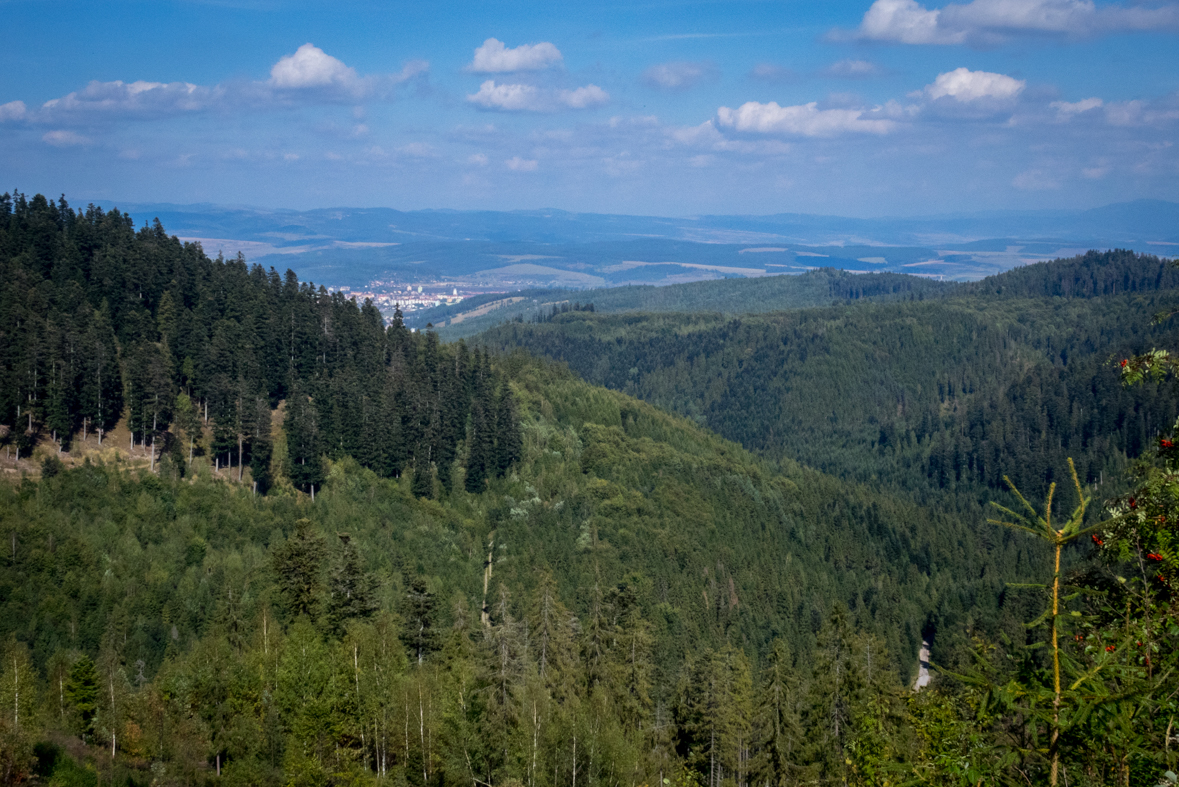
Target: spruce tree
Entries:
(351, 590)
(81, 692)
(480, 448)
(301, 425)
(261, 444)
(508, 444)
(418, 611)
(298, 566)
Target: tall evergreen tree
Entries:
(81, 692)
(301, 424)
(351, 591)
(298, 568)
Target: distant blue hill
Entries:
(555, 248)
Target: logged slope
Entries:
(949, 394)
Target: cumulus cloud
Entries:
(802, 120)
(991, 22)
(679, 75)
(311, 71)
(529, 98)
(495, 58)
(517, 164)
(707, 136)
(13, 110)
(1065, 109)
(64, 139)
(509, 98)
(583, 97)
(478, 159)
(129, 98)
(906, 22)
(309, 74)
(308, 67)
(965, 85)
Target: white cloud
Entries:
(679, 75)
(962, 84)
(707, 136)
(1066, 110)
(134, 98)
(495, 58)
(529, 98)
(1096, 173)
(411, 69)
(803, 120)
(478, 159)
(905, 22)
(517, 164)
(510, 98)
(1125, 113)
(307, 75)
(13, 110)
(1142, 113)
(64, 139)
(310, 66)
(990, 22)
(853, 69)
(583, 97)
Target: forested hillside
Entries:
(379, 559)
(100, 322)
(945, 395)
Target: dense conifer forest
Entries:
(255, 536)
(100, 322)
(942, 397)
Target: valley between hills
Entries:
(258, 532)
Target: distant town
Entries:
(389, 295)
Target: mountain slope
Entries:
(945, 395)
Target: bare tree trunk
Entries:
(422, 730)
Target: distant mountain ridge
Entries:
(1138, 221)
(521, 250)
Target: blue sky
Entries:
(861, 108)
